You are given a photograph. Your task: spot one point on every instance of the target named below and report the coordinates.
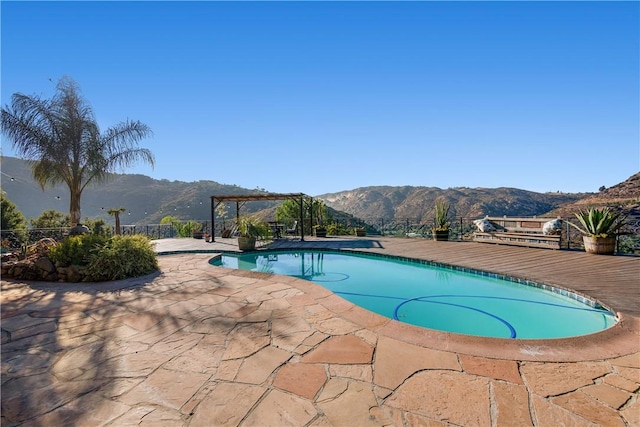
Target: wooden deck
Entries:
(612, 280)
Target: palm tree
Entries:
(116, 213)
(62, 141)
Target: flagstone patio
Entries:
(197, 345)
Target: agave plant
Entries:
(441, 215)
(599, 222)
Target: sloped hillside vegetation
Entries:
(146, 200)
(418, 202)
(624, 196)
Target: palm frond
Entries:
(119, 145)
(61, 138)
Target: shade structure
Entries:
(240, 199)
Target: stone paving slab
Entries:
(204, 346)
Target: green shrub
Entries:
(183, 229)
(337, 229)
(51, 219)
(76, 250)
(98, 226)
(629, 244)
(11, 218)
(189, 227)
(122, 257)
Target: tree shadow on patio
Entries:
(89, 354)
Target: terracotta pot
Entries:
(599, 245)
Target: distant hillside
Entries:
(418, 202)
(147, 200)
(625, 196)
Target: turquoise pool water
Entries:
(435, 297)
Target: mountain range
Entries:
(418, 202)
(148, 200)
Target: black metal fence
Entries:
(461, 229)
(628, 241)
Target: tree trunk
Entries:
(74, 208)
(117, 215)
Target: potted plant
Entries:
(599, 228)
(441, 221)
(320, 231)
(360, 231)
(319, 209)
(196, 229)
(250, 229)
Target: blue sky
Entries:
(321, 97)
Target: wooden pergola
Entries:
(240, 200)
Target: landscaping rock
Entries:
(75, 273)
(45, 264)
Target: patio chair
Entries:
(232, 231)
(293, 229)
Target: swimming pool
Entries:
(436, 297)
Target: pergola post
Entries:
(311, 214)
(302, 218)
(213, 219)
